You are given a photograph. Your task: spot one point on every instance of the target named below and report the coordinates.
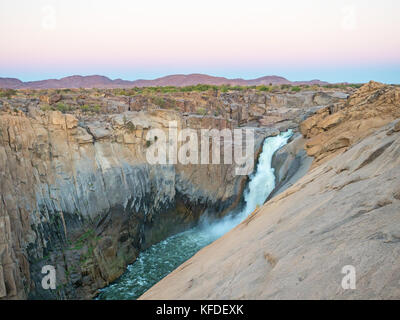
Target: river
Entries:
(160, 259)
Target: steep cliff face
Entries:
(84, 199)
(77, 191)
(290, 163)
(343, 212)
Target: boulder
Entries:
(50, 99)
(331, 121)
(83, 137)
(99, 132)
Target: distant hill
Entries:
(178, 80)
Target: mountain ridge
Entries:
(178, 80)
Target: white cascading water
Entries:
(160, 259)
(262, 183)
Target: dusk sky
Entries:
(341, 40)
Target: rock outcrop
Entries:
(82, 197)
(344, 212)
(335, 128)
(290, 163)
(77, 193)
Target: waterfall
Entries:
(262, 183)
(160, 259)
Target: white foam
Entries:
(262, 183)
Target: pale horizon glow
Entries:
(343, 40)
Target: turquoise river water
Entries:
(160, 259)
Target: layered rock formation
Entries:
(84, 198)
(344, 211)
(77, 192)
(335, 128)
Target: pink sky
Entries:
(340, 40)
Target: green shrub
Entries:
(238, 88)
(224, 88)
(62, 107)
(198, 87)
(7, 93)
(96, 108)
(45, 107)
(296, 89)
(158, 101)
(86, 108)
(356, 85)
(263, 88)
(201, 111)
(169, 89)
(130, 127)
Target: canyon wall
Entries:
(343, 212)
(77, 192)
(85, 200)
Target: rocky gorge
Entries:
(342, 214)
(77, 192)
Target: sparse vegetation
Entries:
(224, 88)
(7, 93)
(62, 107)
(296, 89)
(201, 111)
(343, 86)
(238, 88)
(198, 87)
(263, 88)
(130, 127)
(90, 108)
(83, 240)
(161, 102)
(154, 92)
(201, 99)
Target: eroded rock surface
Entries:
(345, 211)
(85, 200)
(77, 193)
(335, 128)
